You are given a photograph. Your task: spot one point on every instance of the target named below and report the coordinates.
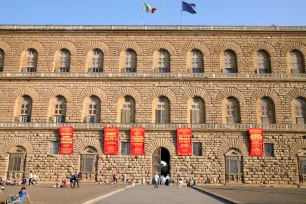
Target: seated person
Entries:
(8, 182)
(23, 181)
(19, 198)
(64, 184)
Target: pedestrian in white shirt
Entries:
(31, 178)
(156, 180)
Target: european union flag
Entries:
(189, 7)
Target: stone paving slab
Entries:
(46, 194)
(164, 195)
(257, 195)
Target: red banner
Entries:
(66, 140)
(110, 140)
(256, 142)
(184, 136)
(137, 136)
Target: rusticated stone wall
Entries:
(280, 169)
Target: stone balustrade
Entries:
(153, 126)
(198, 76)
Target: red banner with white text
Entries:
(183, 137)
(256, 142)
(137, 140)
(110, 140)
(66, 140)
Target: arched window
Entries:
(92, 110)
(129, 61)
(88, 164)
(16, 167)
(64, 61)
(234, 168)
(263, 62)
(266, 111)
(127, 109)
(300, 110)
(296, 62)
(24, 107)
(161, 106)
(195, 61)
(231, 110)
(57, 109)
(229, 61)
(95, 61)
(163, 61)
(197, 110)
(2, 55)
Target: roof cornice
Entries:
(152, 28)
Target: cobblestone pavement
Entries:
(164, 195)
(45, 194)
(257, 195)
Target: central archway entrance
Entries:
(161, 162)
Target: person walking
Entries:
(19, 198)
(77, 179)
(31, 178)
(115, 177)
(124, 179)
(72, 180)
(156, 180)
(35, 179)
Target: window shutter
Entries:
(197, 116)
(123, 116)
(265, 120)
(127, 116)
(157, 116)
(163, 116)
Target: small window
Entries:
(16, 162)
(233, 166)
(54, 147)
(125, 148)
(197, 149)
(269, 149)
(87, 163)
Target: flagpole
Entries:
(181, 12)
(142, 13)
(162, 12)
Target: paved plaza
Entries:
(164, 195)
(257, 195)
(45, 194)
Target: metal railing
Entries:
(148, 75)
(153, 126)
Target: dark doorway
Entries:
(161, 162)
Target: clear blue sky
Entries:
(128, 12)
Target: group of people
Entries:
(115, 180)
(31, 180)
(74, 181)
(162, 180)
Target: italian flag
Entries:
(147, 8)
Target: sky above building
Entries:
(129, 12)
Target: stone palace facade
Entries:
(219, 81)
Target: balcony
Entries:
(153, 126)
(188, 76)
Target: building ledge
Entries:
(156, 127)
(151, 28)
(186, 76)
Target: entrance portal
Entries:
(161, 162)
